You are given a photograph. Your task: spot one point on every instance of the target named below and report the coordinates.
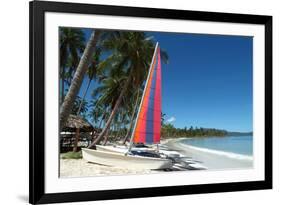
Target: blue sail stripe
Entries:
(150, 111)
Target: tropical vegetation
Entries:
(169, 131)
(117, 64)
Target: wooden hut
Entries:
(71, 133)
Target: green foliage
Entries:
(71, 155)
(72, 44)
(126, 58)
(169, 131)
(239, 133)
(84, 108)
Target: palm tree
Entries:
(79, 103)
(163, 117)
(96, 112)
(134, 111)
(92, 73)
(72, 43)
(109, 93)
(78, 77)
(132, 53)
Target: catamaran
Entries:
(146, 130)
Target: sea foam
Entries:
(219, 152)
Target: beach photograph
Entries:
(143, 102)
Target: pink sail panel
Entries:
(148, 123)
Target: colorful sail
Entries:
(148, 122)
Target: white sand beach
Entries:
(82, 168)
(211, 160)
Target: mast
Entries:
(146, 83)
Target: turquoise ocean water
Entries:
(242, 145)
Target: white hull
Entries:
(121, 160)
(123, 149)
(192, 164)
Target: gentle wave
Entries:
(221, 153)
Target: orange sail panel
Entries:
(148, 123)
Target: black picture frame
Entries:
(37, 194)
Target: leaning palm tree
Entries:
(108, 93)
(71, 43)
(96, 113)
(92, 72)
(132, 52)
(78, 77)
(79, 103)
(133, 110)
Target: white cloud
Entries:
(171, 119)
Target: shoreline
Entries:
(210, 160)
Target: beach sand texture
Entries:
(82, 168)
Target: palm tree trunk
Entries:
(62, 85)
(132, 119)
(106, 137)
(84, 95)
(78, 78)
(114, 111)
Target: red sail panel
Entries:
(141, 122)
(148, 123)
(157, 102)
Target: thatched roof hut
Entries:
(75, 126)
(75, 122)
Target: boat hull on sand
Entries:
(120, 149)
(123, 149)
(179, 159)
(121, 160)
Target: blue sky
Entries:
(208, 81)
